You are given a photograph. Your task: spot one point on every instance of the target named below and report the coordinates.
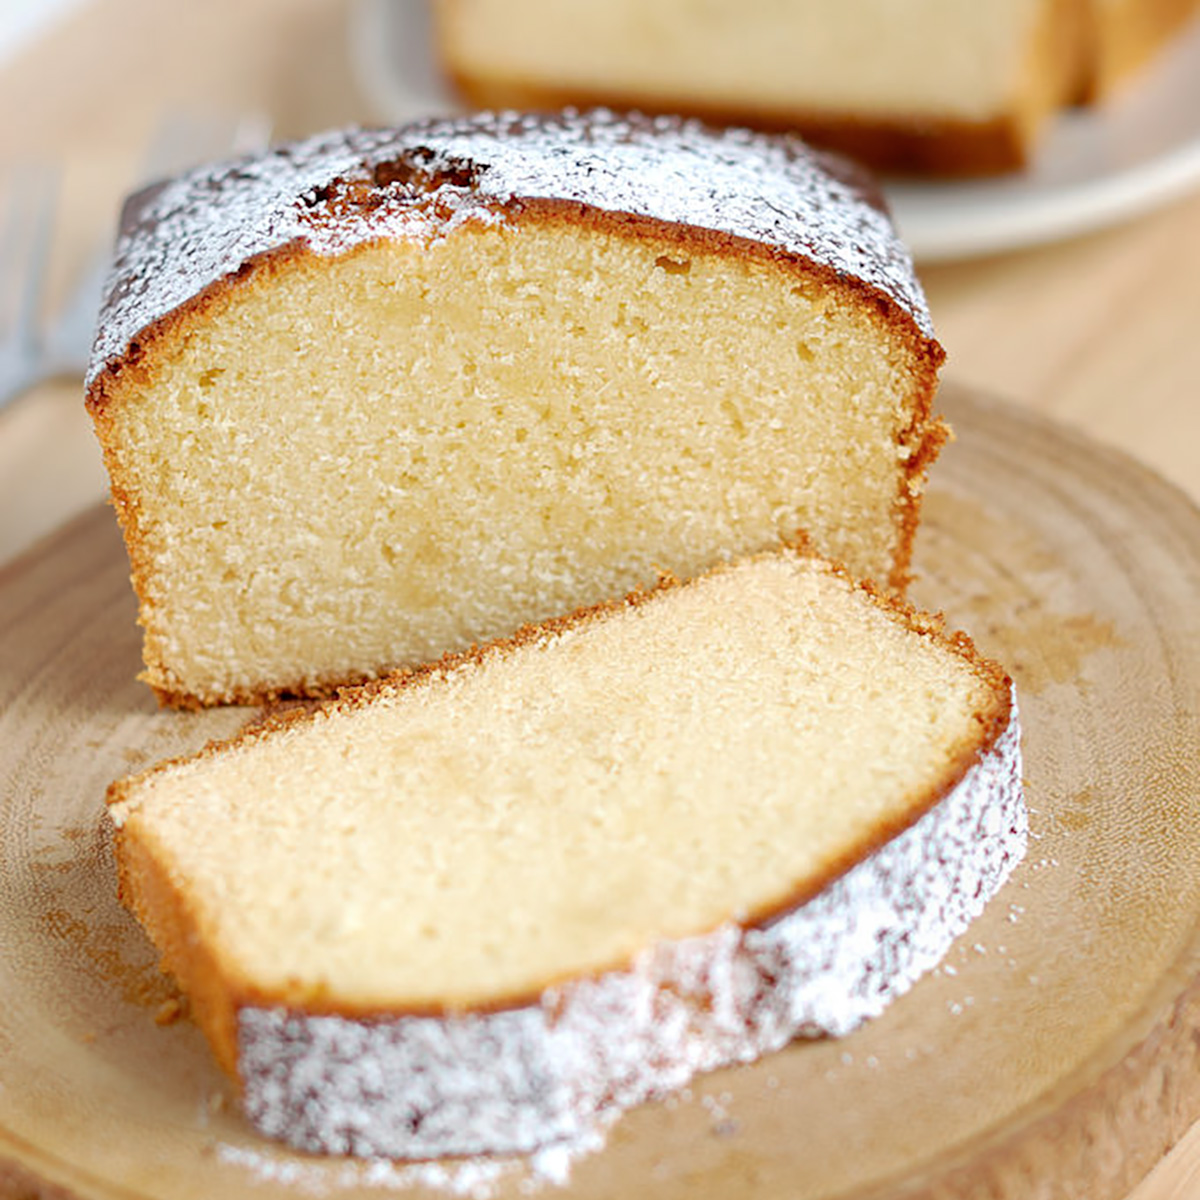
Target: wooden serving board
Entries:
(1055, 1053)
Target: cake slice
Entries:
(477, 907)
(380, 395)
(954, 88)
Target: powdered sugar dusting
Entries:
(519, 1080)
(334, 192)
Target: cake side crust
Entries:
(162, 905)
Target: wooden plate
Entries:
(1055, 1052)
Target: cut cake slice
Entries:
(954, 87)
(958, 88)
(475, 907)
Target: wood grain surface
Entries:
(1056, 1053)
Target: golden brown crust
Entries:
(162, 904)
(923, 436)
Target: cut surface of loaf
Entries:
(381, 395)
(954, 86)
(472, 908)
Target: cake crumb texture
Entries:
(381, 395)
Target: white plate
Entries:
(392, 55)
(1095, 167)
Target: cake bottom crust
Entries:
(520, 1079)
(916, 145)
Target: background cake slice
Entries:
(474, 908)
(953, 87)
(380, 395)
(1122, 36)
(959, 87)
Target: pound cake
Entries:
(941, 86)
(380, 395)
(479, 906)
(954, 87)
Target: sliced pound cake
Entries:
(381, 395)
(1122, 36)
(475, 907)
(941, 86)
(955, 87)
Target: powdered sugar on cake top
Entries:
(517, 1080)
(338, 190)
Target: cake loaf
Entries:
(380, 395)
(962, 87)
(477, 907)
(954, 88)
